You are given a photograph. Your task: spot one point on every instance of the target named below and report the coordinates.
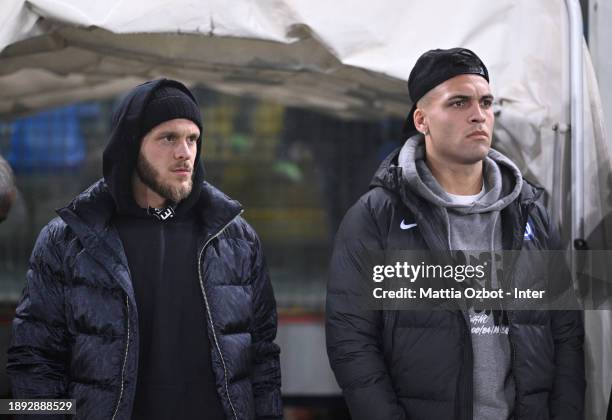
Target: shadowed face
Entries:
(166, 159)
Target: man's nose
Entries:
(479, 115)
(182, 149)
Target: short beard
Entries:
(151, 178)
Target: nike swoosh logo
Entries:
(404, 226)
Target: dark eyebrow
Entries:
(462, 97)
(168, 133)
(171, 133)
(467, 97)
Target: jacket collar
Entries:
(95, 207)
(514, 216)
(89, 216)
(215, 209)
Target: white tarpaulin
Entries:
(347, 57)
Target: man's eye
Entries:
(457, 104)
(487, 103)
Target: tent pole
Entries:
(577, 122)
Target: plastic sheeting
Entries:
(349, 58)
(300, 53)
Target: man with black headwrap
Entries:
(148, 297)
(446, 190)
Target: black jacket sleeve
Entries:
(266, 376)
(353, 333)
(567, 398)
(39, 351)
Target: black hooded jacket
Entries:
(411, 364)
(78, 329)
(175, 377)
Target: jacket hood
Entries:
(502, 179)
(390, 175)
(121, 153)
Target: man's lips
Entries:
(478, 133)
(182, 171)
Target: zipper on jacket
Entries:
(208, 312)
(524, 219)
(512, 364)
(468, 385)
(127, 347)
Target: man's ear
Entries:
(420, 121)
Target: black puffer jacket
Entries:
(75, 334)
(400, 365)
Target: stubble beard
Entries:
(152, 179)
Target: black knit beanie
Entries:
(167, 103)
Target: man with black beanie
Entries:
(149, 297)
(448, 193)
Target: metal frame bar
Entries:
(574, 11)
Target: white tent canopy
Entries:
(347, 57)
(297, 52)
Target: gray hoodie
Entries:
(478, 230)
(475, 227)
